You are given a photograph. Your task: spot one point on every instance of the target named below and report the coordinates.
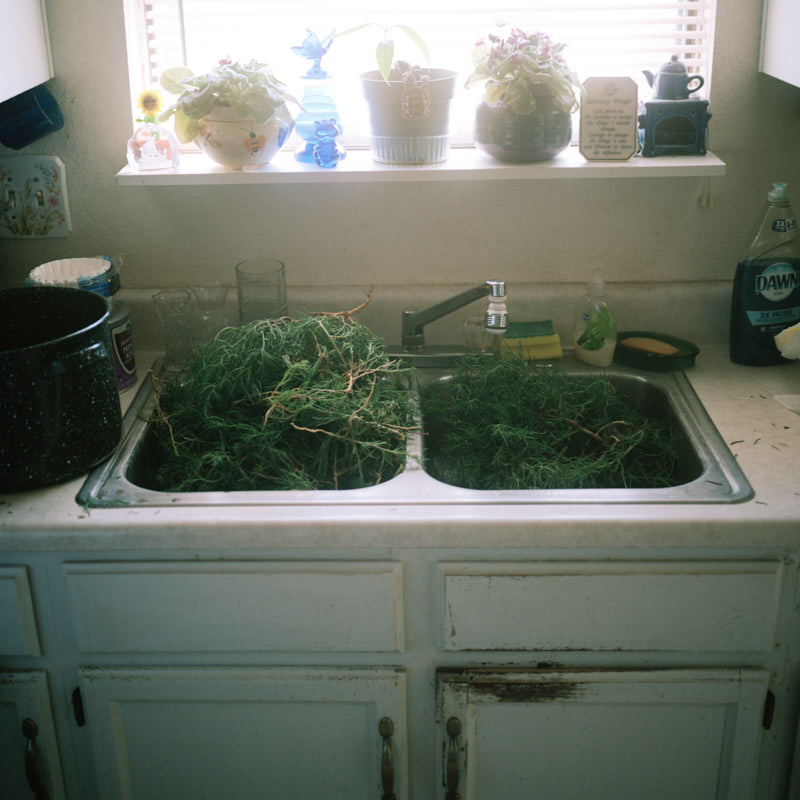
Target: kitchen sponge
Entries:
(534, 341)
(788, 341)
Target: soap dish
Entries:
(675, 353)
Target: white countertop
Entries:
(762, 434)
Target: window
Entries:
(603, 37)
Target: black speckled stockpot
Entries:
(59, 405)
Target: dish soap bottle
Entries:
(766, 287)
(595, 330)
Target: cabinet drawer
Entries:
(664, 606)
(19, 635)
(236, 606)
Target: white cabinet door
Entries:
(27, 738)
(235, 732)
(779, 27)
(660, 735)
(25, 46)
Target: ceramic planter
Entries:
(409, 129)
(236, 143)
(508, 136)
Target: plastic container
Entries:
(119, 327)
(29, 116)
(766, 287)
(93, 274)
(595, 328)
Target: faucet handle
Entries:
(498, 288)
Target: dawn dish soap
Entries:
(595, 330)
(766, 288)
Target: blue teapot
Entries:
(672, 81)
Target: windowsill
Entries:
(465, 163)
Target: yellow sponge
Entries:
(534, 341)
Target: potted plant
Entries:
(529, 96)
(237, 114)
(409, 105)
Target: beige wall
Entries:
(410, 235)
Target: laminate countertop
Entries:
(763, 435)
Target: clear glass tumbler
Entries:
(210, 314)
(173, 307)
(261, 284)
(476, 338)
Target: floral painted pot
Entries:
(236, 143)
(519, 138)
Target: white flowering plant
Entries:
(250, 89)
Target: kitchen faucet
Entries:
(495, 320)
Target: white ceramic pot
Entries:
(236, 143)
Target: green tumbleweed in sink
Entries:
(501, 423)
(306, 403)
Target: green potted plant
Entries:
(529, 96)
(409, 105)
(236, 113)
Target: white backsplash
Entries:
(697, 311)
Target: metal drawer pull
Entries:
(386, 729)
(452, 770)
(29, 731)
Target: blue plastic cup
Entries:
(29, 116)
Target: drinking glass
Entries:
(261, 284)
(173, 307)
(476, 338)
(210, 314)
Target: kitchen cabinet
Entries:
(223, 732)
(220, 731)
(25, 44)
(779, 26)
(29, 757)
(29, 754)
(346, 675)
(187, 651)
(659, 734)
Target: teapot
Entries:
(672, 81)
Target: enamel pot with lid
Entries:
(59, 405)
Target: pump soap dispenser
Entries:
(595, 330)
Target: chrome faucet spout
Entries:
(414, 322)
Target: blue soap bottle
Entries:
(766, 287)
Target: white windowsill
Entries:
(465, 163)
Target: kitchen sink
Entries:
(708, 472)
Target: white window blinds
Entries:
(603, 37)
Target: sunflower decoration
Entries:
(151, 146)
(149, 104)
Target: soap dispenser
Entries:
(595, 329)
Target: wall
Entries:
(414, 242)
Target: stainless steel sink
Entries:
(709, 473)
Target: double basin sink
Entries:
(708, 472)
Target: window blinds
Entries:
(603, 37)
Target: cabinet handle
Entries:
(29, 731)
(452, 770)
(386, 729)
